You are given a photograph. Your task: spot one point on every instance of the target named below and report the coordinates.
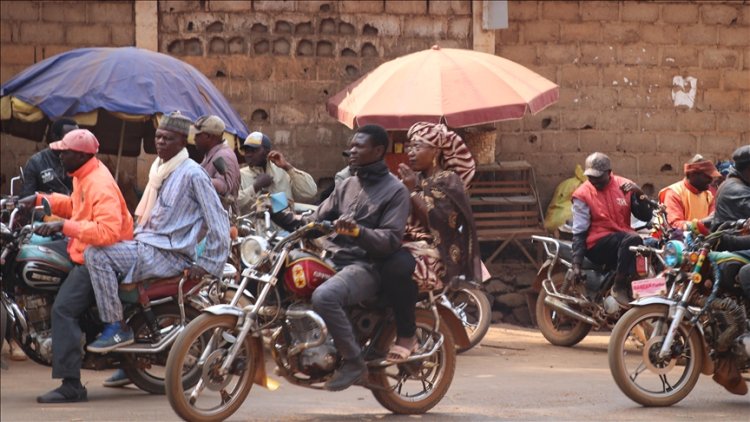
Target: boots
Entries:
(621, 290)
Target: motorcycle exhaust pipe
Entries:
(566, 310)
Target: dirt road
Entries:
(514, 375)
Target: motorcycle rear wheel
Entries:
(433, 375)
(142, 373)
(632, 350)
(474, 309)
(217, 331)
(557, 328)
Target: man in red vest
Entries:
(601, 222)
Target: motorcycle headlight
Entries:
(673, 253)
(252, 249)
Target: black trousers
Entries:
(73, 299)
(612, 252)
(744, 277)
(400, 290)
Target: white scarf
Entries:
(160, 170)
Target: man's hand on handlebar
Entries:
(49, 229)
(347, 226)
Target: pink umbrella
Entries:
(457, 87)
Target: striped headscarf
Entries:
(456, 156)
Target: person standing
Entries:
(208, 134)
(95, 214)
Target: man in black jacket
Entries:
(733, 197)
(369, 210)
(44, 172)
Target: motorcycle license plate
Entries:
(649, 287)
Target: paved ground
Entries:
(514, 375)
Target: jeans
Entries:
(612, 251)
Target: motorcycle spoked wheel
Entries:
(218, 397)
(415, 387)
(147, 371)
(557, 328)
(633, 347)
(475, 311)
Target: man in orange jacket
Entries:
(94, 214)
(690, 201)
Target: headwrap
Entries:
(176, 122)
(698, 164)
(456, 155)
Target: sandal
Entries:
(399, 354)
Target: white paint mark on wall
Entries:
(669, 60)
(683, 91)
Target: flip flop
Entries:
(402, 352)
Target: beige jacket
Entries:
(298, 185)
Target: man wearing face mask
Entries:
(601, 222)
(690, 201)
(43, 172)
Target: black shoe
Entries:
(65, 393)
(351, 372)
(622, 297)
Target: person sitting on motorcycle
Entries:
(369, 210)
(733, 197)
(690, 201)
(178, 205)
(440, 232)
(269, 169)
(208, 132)
(43, 172)
(94, 215)
(601, 222)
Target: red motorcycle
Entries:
(230, 338)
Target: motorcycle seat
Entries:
(566, 253)
(153, 288)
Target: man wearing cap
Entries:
(44, 172)
(267, 169)
(689, 201)
(208, 132)
(178, 205)
(601, 222)
(94, 215)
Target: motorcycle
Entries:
(156, 310)
(568, 308)
(231, 338)
(659, 348)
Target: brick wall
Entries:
(279, 61)
(31, 31)
(615, 63)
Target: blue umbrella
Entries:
(117, 92)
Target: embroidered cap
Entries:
(213, 125)
(81, 140)
(597, 164)
(257, 139)
(176, 122)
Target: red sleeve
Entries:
(104, 225)
(62, 205)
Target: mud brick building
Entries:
(649, 83)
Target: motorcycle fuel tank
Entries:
(304, 272)
(41, 267)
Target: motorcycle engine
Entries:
(315, 361)
(38, 308)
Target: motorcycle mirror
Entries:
(46, 207)
(220, 165)
(20, 172)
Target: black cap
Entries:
(741, 155)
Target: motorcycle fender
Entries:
(454, 325)
(225, 309)
(654, 300)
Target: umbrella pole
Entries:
(119, 152)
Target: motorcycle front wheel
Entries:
(416, 387)
(474, 309)
(559, 329)
(215, 396)
(633, 357)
